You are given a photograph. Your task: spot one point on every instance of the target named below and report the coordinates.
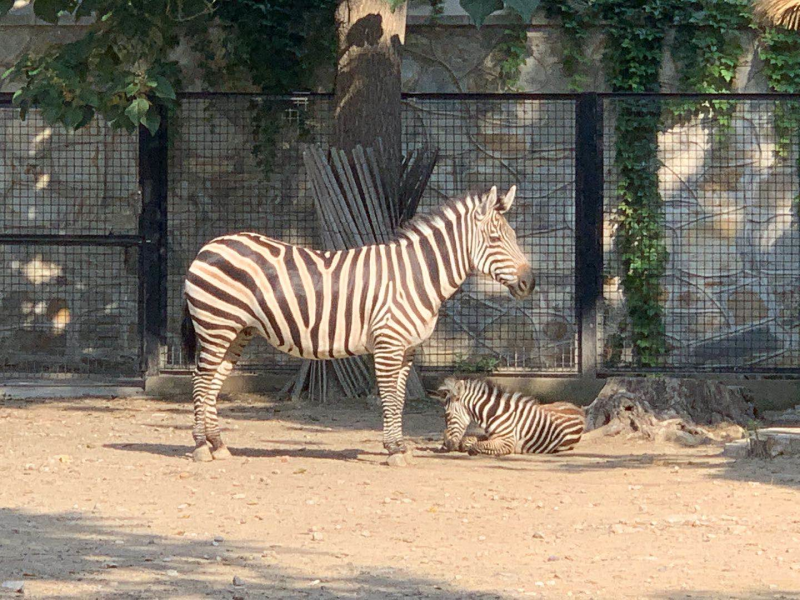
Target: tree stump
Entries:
(686, 411)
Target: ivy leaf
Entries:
(478, 10)
(525, 8)
(163, 88)
(137, 110)
(5, 6)
(152, 120)
(47, 10)
(393, 4)
(72, 116)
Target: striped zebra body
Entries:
(382, 300)
(514, 423)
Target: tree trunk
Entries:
(368, 85)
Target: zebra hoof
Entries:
(202, 454)
(401, 459)
(221, 453)
(397, 460)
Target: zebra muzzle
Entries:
(525, 284)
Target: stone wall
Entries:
(217, 186)
(732, 290)
(67, 308)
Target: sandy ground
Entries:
(98, 499)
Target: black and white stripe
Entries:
(382, 300)
(514, 423)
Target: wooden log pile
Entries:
(359, 202)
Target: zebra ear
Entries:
(488, 203)
(440, 394)
(506, 201)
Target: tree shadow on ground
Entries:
(76, 553)
(173, 450)
(778, 471)
(753, 594)
(346, 414)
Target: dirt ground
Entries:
(99, 499)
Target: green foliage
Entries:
(707, 43)
(478, 10)
(119, 72)
(479, 364)
(780, 51)
(437, 10)
(513, 51)
(636, 31)
(640, 229)
(5, 6)
(576, 19)
(706, 50)
(121, 69)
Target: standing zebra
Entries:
(513, 423)
(382, 300)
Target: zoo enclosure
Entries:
(99, 227)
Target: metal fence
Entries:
(727, 170)
(219, 184)
(99, 227)
(70, 287)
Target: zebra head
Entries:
(457, 418)
(495, 251)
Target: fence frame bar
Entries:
(153, 187)
(588, 227)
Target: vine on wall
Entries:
(780, 51)
(513, 51)
(575, 18)
(633, 54)
(706, 49)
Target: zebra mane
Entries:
(432, 217)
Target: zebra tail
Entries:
(188, 337)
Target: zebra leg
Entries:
(391, 371)
(218, 449)
(200, 381)
(214, 366)
(495, 446)
(469, 441)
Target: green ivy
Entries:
(479, 364)
(633, 55)
(121, 74)
(780, 51)
(437, 10)
(513, 52)
(707, 49)
(576, 18)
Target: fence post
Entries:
(588, 225)
(153, 229)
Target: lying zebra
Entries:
(513, 422)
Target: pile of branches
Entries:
(359, 201)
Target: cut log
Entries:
(686, 411)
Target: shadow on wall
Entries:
(75, 553)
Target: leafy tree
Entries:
(123, 68)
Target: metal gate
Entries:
(75, 251)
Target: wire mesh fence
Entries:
(219, 183)
(497, 141)
(727, 175)
(68, 308)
